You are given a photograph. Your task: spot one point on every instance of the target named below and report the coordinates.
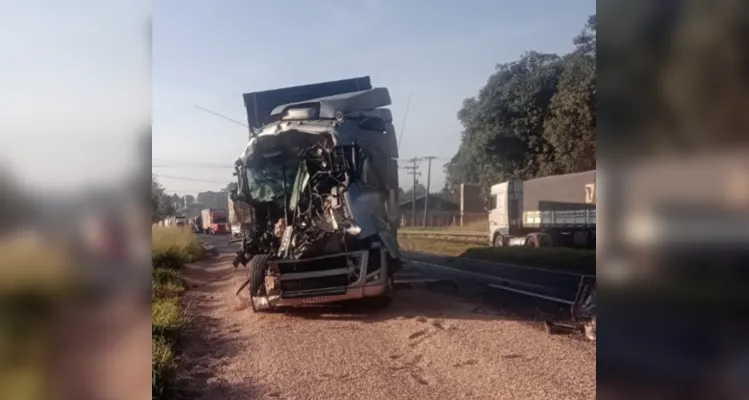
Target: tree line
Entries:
(534, 117)
(162, 205)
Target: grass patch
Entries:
(167, 317)
(474, 226)
(575, 260)
(165, 275)
(160, 291)
(171, 249)
(162, 366)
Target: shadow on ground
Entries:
(205, 348)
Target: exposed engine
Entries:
(312, 216)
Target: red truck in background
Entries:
(213, 221)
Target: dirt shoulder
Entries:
(425, 345)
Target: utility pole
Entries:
(413, 170)
(426, 198)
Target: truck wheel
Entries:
(258, 267)
(538, 240)
(499, 240)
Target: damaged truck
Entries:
(318, 182)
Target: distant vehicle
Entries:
(180, 220)
(197, 224)
(555, 210)
(239, 214)
(213, 221)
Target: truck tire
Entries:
(499, 240)
(258, 267)
(538, 240)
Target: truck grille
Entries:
(322, 264)
(324, 282)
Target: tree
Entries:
(161, 203)
(450, 194)
(229, 187)
(570, 128)
(420, 191)
(503, 136)
(534, 117)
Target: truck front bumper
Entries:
(328, 279)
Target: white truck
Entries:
(555, 210)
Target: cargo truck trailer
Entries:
(556, 210)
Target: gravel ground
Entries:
(426, 345)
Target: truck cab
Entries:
(505, 212)
(319, 179)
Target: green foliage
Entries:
(171, 247)
(167, 317)
(162, 366)
(534, 117)
(161, 203)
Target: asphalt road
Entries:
(558, 284)
(437, 340)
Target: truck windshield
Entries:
(266, 183)
(219, 219)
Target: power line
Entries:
(405, 117)
(413, 170)
(190, 163)
(184, 178)
(429, 179)
(192, 166)
(221, 116)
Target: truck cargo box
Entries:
(259, 105)
(559, 192)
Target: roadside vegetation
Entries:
(171, 249)
(574, 260)
(474, 226)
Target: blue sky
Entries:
(209, 53)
